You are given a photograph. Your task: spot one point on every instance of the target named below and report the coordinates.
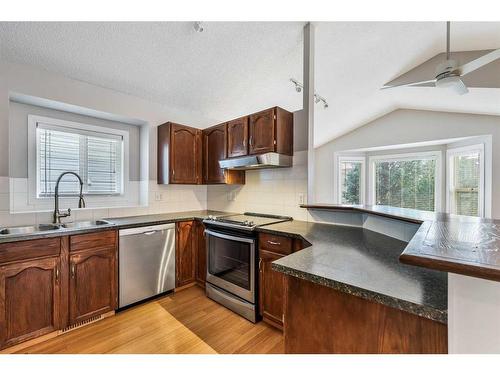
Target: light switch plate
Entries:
(231, 196)
(158, 196)
(302, 198)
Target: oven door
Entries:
(231, 263)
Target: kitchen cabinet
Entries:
(179, 154)
(215, 149)
(272, 286)
(29, 299)
(271, 130)
(237, 137)
(49, 284)
(185, 253)
(93, 283)
(201, 255)
(272, 290)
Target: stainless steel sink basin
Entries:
(29, 229)
(85, 224)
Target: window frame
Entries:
(421, 155)
(450, 154)
(81, 128)
(355, 159)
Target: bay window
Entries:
(351, 172)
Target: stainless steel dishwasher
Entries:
(147, 262)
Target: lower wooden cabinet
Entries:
(93, 284)
(272, 284)
(29, 300)
(49, 284)
(272, 289)
(185, 253)
(201, 254)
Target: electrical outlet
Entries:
(302, 198)
(158, 196)
(231, 196)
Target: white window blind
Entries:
(466, 181)
(96, 157)
(406, 183)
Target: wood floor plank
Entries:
(185, 322)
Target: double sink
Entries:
(33, 229)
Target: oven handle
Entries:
(229, 237)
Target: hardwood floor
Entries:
(187, 322)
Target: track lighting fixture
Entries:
(317, 98)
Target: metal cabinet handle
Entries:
(73, 270)
(250, 141)
(260, 264)
(57, 274)
(273, 243)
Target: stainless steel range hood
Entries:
(268, 160)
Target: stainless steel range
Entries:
(232, 258)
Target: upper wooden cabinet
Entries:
(179, 154)
(215, 149)
(271, 131)
(237, 137)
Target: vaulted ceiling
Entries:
(236, 68)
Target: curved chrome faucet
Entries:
(81, 201)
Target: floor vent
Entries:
(82, 323)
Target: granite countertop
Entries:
(365, 264)
(452, 243)
(115, 223)
(139, 221)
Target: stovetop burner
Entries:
(247, 221)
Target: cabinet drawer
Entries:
(94, 240)
(15, 251)
(276, 244)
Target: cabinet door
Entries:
(214, 149)
(201, 256)
(93, 284)
(261, 132)
(29, 300)
(237, 137)
(272, 290)
(185, 254)
(185, 155)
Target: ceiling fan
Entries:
(449, 74)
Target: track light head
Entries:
(298, 88)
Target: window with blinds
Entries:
(465, 174)
(406, 183)
(96, 157)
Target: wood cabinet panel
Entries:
(23, 250)
(103, 239)
(201, 256)
(185, 155)
(276, 244)
(185, 254)
(179, 154)
(330, 321)
(93, 284)
(237, 137)
(272, 290)
(284, 131)
(261, 131)
(214, 149)
(29, 300)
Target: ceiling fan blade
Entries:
(411, 84)
(460, 88)
(478, 63)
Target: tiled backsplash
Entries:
(172, 198)
(272, 191)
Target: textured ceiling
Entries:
(236, 68)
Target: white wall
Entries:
(405, 126)
(18, 79)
